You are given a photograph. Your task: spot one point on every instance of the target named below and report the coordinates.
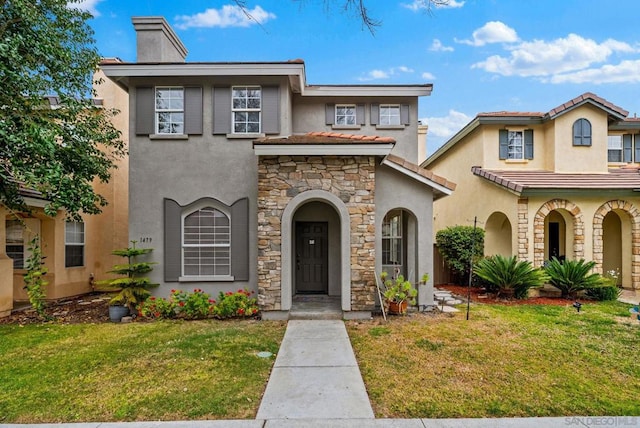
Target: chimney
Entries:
(156, 40)
(422, 142)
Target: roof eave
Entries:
(367, 149)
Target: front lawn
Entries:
(525, 360)
(165, 370)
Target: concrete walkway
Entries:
(315, 375)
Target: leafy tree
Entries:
(458, 244)
(507, 273)
(47, 48)
(571, 276)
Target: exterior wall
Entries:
(310, 116)
(282, 178)
(491, 155)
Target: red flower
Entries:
(152, 298)
(212, 301)
(241, 311)
(181, 304)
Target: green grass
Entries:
(171, 370)
(505, 361)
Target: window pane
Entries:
(16, 252)
(515, 145)
(207, 239)
(74, 232)
(74, 255)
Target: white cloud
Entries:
(428, 76)
(86, 5)
(385, 74)
(540, 58)
(227, 16)
(447, 126)
(624, 72)
(417, 5)
(437, 46)
(492, 32)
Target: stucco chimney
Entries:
(422, 142)
(156, 40)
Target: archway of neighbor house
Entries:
(498, 238)
(612, 245)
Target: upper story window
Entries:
(74, 244)
(345, 114)
(582, 132)
(206, 243)
(614, 148)
(621, 148)
(246, 103)
(516, 145)
(389, 114)
(169, 110)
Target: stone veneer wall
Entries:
(350, 178)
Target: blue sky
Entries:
(480, 55)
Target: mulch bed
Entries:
(461, 292)
(90, 308)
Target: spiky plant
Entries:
(507, 273)
(571, 276)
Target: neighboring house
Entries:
(560, 184)
(75, 252)
(244, 176)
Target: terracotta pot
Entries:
(398, 308)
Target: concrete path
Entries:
(315, 375)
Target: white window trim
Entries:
(195, 278)
(76, 244)
(391, 237)
(247, 110)
(391, 125)
(159, 134)
(620, 150)
(509, 145)
(355, 123)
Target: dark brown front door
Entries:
(311, 257)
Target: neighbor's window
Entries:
(392, 254)
(582, 132)
(246, 104)
(15, 243)
(74, 244)
(614, 148)
(516, 145)
(389, 114)
(345, 114)
(169, 110)
(206, 243)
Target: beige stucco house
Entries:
(75, 253)
(562, 183)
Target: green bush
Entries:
(507, 273)
(158, 308)
(238, 304)
(458, 244)
(604, 293)
(571, 276)
(196, 305)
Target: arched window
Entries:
(392, 243)
(582, 132)
(206, 243)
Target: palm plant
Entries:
(507, 273)
(571, 276)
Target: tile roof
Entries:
(520, 181)
(581, 99)
(512, 114)
(325, 138)
(421, 171)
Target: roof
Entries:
(324, 144)
(441, 186)
(625, 179)
(589, 97)
(325, 138)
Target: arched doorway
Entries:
(497, 238)
(558, 231)
(555, 243)
(612, 245)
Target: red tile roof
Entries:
(584, 98)
(325, 138)
(520, 181)
(421, 171)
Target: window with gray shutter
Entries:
(145, 111)
(360, 114)
(375, 114)
(636, 139)
(193, 110)
(528, 143)
(503, 137)
(330, 114)
(222, 110)
(404, 114)
(627, 148)
(582, 132)
(271, 109)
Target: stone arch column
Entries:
(538, 228)
(598, 231)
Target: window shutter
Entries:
(577, 133)
(375, 114)
(404, 114)
(240, 240)
(145, 111)
(360, 114)
(222, 110)
(330, 114)
(172, 241)
(503, 137)
(193, 110)
(271, 109)
(637, 147)
(626, 148)
(528, 143)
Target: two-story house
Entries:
(242, 175)
(558, 184)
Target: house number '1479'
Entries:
(145, 239)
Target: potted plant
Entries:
(398, 293)
(132, 288)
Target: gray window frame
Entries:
(582, 132)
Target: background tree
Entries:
(47, 48)
(459, 245)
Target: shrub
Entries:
(235, 304)
(196, 305)
(458, 244)
(603, 293)
(158, 308)
(571, 276)
(507, 273)
(34, 278)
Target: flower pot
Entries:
(398, 308)
(117, 312)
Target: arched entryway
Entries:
(558, 231)
(497, 237)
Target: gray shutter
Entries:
(145, 111)
(626, 148)
(375, 114)
(172, 241)
(637, 147)
(240, 240)
(528, 143)
(577, 132)
(193, 110)
(404, 114)
(222, 110)
(330, 114)
(360, 114)
(504, 143)
(271, 109)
